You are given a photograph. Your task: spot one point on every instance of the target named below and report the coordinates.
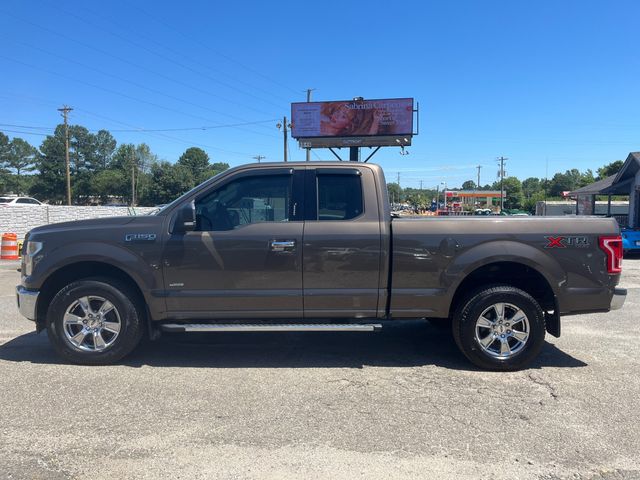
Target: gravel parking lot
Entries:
(403, 403)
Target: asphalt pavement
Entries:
(402, 403)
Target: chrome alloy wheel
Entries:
(92, 323)
(502, 330)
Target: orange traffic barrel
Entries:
(9, 247)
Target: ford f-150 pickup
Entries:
(313, 247)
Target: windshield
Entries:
(5, 200)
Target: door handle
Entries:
(282, 245)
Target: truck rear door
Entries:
(342, 244)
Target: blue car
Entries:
(630, 240)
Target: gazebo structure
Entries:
(625, 182)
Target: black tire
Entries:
(467, 328)
(90, 351)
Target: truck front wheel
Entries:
(499, 328)
(94, 322)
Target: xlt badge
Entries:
(564, 242)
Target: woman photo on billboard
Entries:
(338, 120)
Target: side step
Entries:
(257, 327)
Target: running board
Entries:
(253, 327)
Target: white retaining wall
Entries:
(22, 218)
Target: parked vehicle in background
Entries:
(15, 200)
(312, 246)
(483, 211)
(630, 240)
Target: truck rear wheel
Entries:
(94, 322)
(499, 328)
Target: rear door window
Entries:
(339, 196)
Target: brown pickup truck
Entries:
(313, 247)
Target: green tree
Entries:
(565, 182)
(19, 157)
(168, 181)
(395, 192)
(214, 169)
(50, 184)
(469, 185)
(514, 197)
(610, 169)
(4, 144)
(530, 202)
(105, 146)
(587, 178)
(135, 161)
(4, 175)
(196, 160)
(531, 186)
(110, 183)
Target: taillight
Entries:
(612, 246)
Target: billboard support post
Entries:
(353, 154)
(334, 152)
(372, 154)
(309, 90)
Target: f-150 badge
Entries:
(140, 237)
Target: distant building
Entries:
(474, 198)
(625, 182)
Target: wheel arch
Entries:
(82, 270)
(517, 273)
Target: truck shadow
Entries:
(405, 344)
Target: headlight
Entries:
(31, 251)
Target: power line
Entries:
(139, 85)
(183, 129)
(26, 133)
(181, 54)
(226, 57)
(109, 90)
(165, 136)
(104, 117)
(128, 62)
(164, 57)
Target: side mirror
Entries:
(184, 219)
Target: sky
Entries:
(551, 85)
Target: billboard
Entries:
(352, 118)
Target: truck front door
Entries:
(244, 259)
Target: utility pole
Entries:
(284, 131)
(444, 194)
(133, 179)
(65, 112)
(478, 184)
(309, 90)
(501, 173)
(420, 184)
(259, 157)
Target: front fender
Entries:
(130, 262)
